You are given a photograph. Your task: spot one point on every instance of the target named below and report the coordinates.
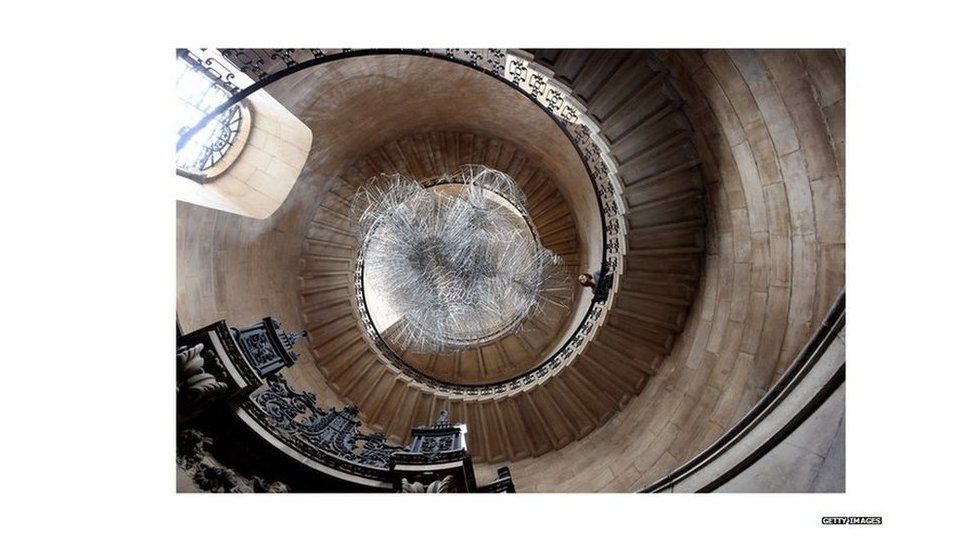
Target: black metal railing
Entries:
(801, 366)
(332, 437)
(202, 85)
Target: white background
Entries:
(89, 278)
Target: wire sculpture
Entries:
(453, 262)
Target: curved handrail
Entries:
(330, 437)
(801, 366)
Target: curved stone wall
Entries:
(769, 128)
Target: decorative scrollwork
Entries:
(284, 55)
(495, 62)
(570, 114)
(517, 71)
(268, 347)
(445, 484)
(537, 85)
(554, 99)
(194, 384)
(433, 445)
(260, 347)
(221, 76)
(295, 415)
(249, 62)
(473, 56)
(202, 78)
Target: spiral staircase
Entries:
(650, 141)
(624, 115)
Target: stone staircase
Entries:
(639, 117)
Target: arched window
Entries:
(200, 90)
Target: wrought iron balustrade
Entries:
(295, 417)
(202, 85)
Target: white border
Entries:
(90, 271)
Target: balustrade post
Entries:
(219, 363)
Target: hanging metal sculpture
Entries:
(454, 262)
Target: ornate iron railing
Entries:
(331, 436)
(213, 142)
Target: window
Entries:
(198, 94)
